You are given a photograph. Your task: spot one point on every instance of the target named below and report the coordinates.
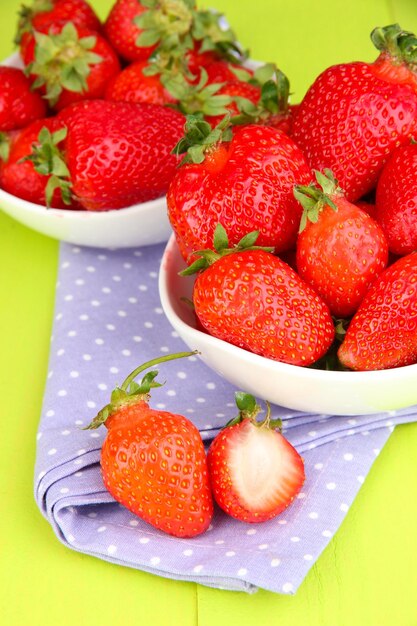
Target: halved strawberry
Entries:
(255, 473)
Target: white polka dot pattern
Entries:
(108, 320)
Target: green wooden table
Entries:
(368, 574)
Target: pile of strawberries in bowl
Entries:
(303, 241)
(298, 221)
(90, 112)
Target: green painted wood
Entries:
(367, 575)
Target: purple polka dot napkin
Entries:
(108, 320)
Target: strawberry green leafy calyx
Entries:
(201, 99)
(275, 91)
(221, 249)
(250, 409)
(213, 34)
(48, 160)
(131, 392)
(164, 22)
(212, 99)
(399, 44)
(63, 61)
(177, 25)
(397, 62)
(27, 13)
(201, 138)
(313, 198)
(4, 146)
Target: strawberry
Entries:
(244, 181)
(132, 84)
(250, 298)
(18, 175)
(172, 29)
(396, 200)
(122, 32)
(115, 153)
(41, 14)
(255, 473)
(340, 248)
(153, 462)
(68, 63)
(382, 333)
(19, 105)
(355, 114)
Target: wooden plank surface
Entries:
(368, 574)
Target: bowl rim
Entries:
(76, 214)
(331, 376)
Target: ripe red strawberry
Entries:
(245, 182)
(133, 85)
(122, 32)
(153, 462)
(69, 63)
(19, 105)
(396, 200)
(41, 14)
(355, 114)
(252, 299)
(382, 333)
(18, 175)
(340, 248)
(115, 153)
(255, 473)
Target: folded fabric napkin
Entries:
(108, 320)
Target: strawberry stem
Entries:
(398, 43)
(249, 409)
(200, 137)
(201, 99)
(131, 392)
(63, 61)
(314, 197)
(151, 363)
(49, 160)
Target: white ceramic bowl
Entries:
(138, 225)
(305, 389)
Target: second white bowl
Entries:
(300, 388)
